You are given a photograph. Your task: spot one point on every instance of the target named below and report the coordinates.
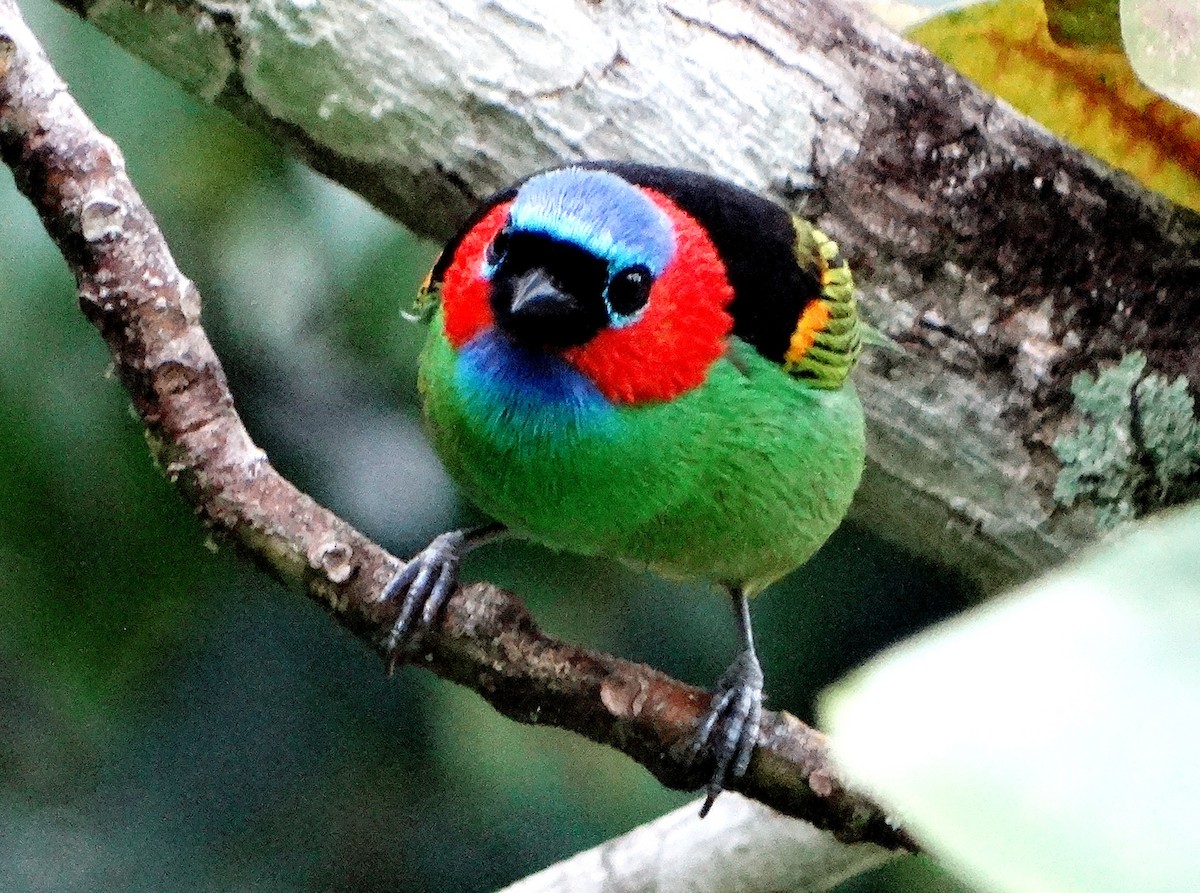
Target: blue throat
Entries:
(514, 386)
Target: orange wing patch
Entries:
(812, 322)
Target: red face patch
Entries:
(465, 304)
(667, 352)
(682, 332)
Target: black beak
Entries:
(535, 310)
(536, 297)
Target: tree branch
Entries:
(149, 314)
(1002, 260)
(741, 846)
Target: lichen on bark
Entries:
(1137, 446)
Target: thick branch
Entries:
(1001, 259)
(149, 314)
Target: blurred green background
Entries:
(172, 719)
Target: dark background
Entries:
(172, 719)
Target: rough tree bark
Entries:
(1003, 261)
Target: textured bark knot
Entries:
(102, 219)
(336, 561)
(821, 783)
(624, 696)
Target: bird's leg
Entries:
(426, 582)
(729, 730)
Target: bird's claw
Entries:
(729, 730)
(424, 584)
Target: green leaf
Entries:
(1085, 23)
(1049, 741)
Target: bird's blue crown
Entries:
(599, 212)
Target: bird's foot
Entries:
(424, 584)
(729, 731)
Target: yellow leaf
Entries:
(1088, 96)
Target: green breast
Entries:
(737, 481)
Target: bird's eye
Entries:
(498, 248)
(628, 292)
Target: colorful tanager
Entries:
(651, 365)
